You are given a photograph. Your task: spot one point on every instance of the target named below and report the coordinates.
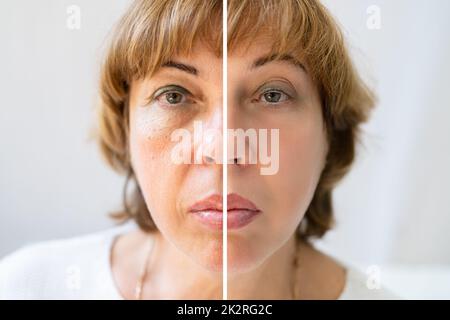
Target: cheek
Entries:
(156, 123)
(165, 186)
(150, 157)
(302, 155)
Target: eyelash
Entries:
(172, 89)
(184, 92)
(288, 98)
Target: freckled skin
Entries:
(170, 188)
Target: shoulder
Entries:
(55, 268)
(331, 278)
(361, 286)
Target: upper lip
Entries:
(214, 202)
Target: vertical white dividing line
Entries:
(225, 149)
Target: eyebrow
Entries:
(257, 63)
(181, 66)
(285, 57)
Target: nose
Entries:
(209, 147)
(236, 157)
(240, 137)
(210, 159)
(237, 161)
(208, 138)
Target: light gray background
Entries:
(53, 182)
(393, 210)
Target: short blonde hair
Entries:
(151, 32)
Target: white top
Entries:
(79, 268)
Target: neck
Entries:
(272, 279)
(179, 277)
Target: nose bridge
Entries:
(242, 138)
(235, 115)
(208, 133)
(232, 114)
(209, 136)
(215, 118)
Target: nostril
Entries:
(208, 159)
(237, 160)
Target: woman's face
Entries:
(262, 94)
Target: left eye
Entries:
(172, 97)
(274, 96)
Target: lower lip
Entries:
(236, 218)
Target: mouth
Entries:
(240, 211)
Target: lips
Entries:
(240, 211)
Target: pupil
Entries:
(273, 96)
(173, 97)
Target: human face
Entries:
(174, 99)
(273, 95)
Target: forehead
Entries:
(201, 50)
(260, 45)
(199, 64)
(204, 64)
(261, 52)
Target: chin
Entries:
(208, 255)
(243, 256)
(238, 261)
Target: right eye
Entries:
(172, 96)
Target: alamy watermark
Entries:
(73, 21)
(262, 146)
